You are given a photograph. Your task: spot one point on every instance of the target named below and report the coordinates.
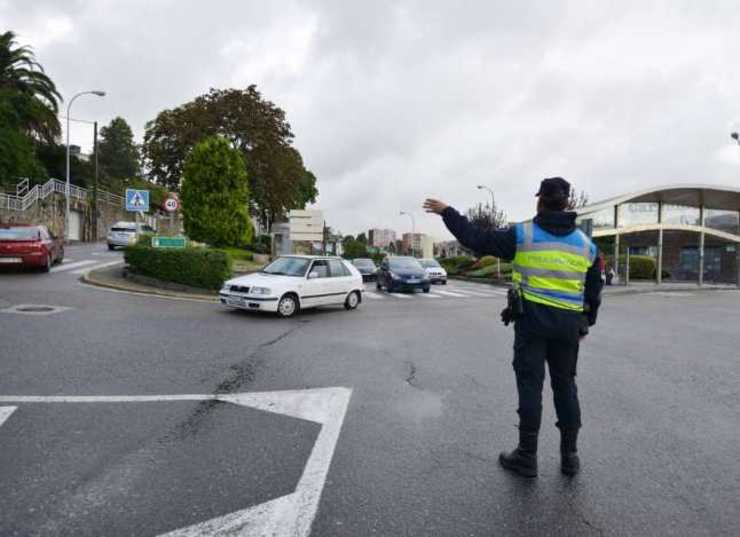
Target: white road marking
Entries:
(5, 412)
(372, 294)
(450, 293)
(399, 295)
(70, 266)
(96, 267)
(430, 295)
(287, 516)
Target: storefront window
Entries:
(722, 220)
(681, 215)
(635, 214)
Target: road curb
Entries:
(90, 278)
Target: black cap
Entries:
(554, 187)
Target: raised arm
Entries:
(501, 243)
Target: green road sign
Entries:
(169, 242)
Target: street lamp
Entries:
(67, 188)
(493, 199)
(413, 230)
(493, 204)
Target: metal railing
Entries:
(25, 197)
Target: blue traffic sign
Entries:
(137, 200)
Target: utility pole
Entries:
(95, 184)
(413, 231)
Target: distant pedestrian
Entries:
(555, 296)
(610, 274)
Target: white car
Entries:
(125, 233)
(295, 282)
(435, 271)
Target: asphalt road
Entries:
(432, 404)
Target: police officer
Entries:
(555, 270)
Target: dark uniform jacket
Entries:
(539, 319)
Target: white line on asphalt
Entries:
(71, 266)
(399, 295)
(5, 412)
(372, 294)
(94, 287)
(287, 516)
(96, 267)
(430, 295)
(450, 293)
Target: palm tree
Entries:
(30, 92)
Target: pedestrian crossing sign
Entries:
(137, 200)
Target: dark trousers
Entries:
(530, 354)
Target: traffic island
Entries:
(120, 278)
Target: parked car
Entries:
(295, 282)
(27, 245)
(402, 274)
(125, 233)
(435, 271)
(367, 268)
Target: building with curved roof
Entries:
(692, 231)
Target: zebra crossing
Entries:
(70, 266)
(449, 292)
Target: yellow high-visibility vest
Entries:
(551, 269)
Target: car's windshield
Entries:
(363, 263)
(287, 266)
(404, 263)
(429, 263)
(19, 234)
(124, 226)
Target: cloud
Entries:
(394, 101)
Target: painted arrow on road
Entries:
(287, 516)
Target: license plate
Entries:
(412, 280)
(235, 301)
(11, 260)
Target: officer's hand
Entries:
(434, 206)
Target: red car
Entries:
(24, 245)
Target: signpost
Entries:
(169, 242)
(171, 204)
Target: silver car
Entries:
(126, 233)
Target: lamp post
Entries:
(67, 188)
(413, 231)
(493, 204)
(493, 199)
(735, 136)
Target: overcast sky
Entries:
(391, 102)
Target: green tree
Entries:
(118, 155)
(354, 249)
(361, 237)
(215, 195)
(278, 180)
(30, 92)
(17, 151)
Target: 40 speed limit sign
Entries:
(171, 205)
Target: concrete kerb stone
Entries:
(113, 278)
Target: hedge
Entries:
(642, 267)
(196, 267)
(455, 265)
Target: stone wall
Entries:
(50, 212)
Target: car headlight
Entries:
(260, 290)
(395, 276)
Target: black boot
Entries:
(570, 464)
(523, 460)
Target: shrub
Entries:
(262, 244)
(196, 267)
(642, 267)
(491, 271)
(237, 254)
(487, 260)
(215, 194)
(455, 265)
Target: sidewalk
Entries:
(118, 279)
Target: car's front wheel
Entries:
(352, 301)
(288, 306)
